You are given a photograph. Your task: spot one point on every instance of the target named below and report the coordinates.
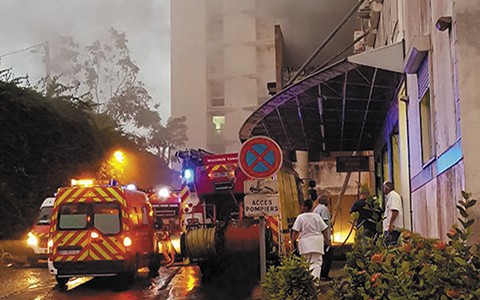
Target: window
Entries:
(218, 122)
(144, 215)
(106, 217)
(103, 216)
(426, 127)
(45, 216)
(217, 94)
(135, 216)
(425, 111)
(73, 216)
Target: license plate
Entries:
(220, 174)
(69, 252)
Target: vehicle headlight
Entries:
(32, 240)
(127, 242)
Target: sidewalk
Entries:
(335, 272)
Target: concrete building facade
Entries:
(222, 55)
(427, 143)
(437, 109)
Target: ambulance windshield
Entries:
(45, 216)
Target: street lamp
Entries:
(119, 157)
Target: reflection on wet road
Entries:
(174, 283)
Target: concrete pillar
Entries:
(303, 169)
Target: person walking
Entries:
(393, 222)
(364, 213)
(311, 232)
(324, 213)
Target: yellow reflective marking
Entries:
(63, 196)
(117, 196)
(102, 192)
(85, 242)
(75, 195)
(68, 237)
(215, 167)
(109, 247)
(70, 258)
(100, 250)
(94, 256)
(118, 243)
(80, 236)
(84, 255)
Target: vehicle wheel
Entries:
(31, 258)
(154, 266)
(62, 280)
(133, 274)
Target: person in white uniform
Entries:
(324, 213)
(311, 232)
(393, 222)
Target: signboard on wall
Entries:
(353, 164)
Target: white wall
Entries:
(188, 73)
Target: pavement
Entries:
(335, 272)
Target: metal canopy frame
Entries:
(340, 108)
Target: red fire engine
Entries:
(210, 209)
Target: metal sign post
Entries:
(260, 202)
(260, 158)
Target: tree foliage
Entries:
(44, 142)
(107, 75)
(418, 268)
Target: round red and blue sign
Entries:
(260, 157)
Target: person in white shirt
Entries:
(311, 232)
(393, 222)
(323, 211)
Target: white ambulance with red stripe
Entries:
(38, 236)
(101, 230)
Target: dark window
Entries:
(73, 216)
(45, 216)
(107, 217)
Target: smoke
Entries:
(305, 24)
(146, 24)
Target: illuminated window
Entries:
(218, 122)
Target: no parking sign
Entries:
(260, 157)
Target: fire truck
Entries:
(211, 209)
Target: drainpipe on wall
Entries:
(303, 169)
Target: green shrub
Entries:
(416, 268)
(292, 280)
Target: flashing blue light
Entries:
(131, 187)
(188, 174)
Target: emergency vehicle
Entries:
(212, 209)
(167, 211)
(101, 230)
(38, 237)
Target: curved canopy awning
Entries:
(340, 108)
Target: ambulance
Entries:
(38, 236)
(102, 230)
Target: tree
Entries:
(44, 143)
(164, 139)
(107, 75)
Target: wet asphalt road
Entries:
(174, 283)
